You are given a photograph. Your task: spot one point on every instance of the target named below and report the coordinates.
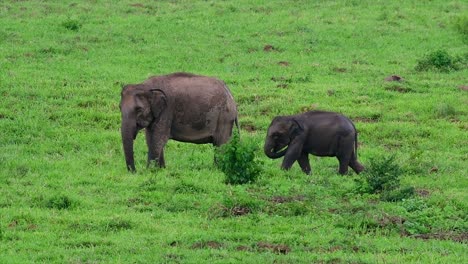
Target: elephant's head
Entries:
(140, 106)
(281, 132)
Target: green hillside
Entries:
(65, 193)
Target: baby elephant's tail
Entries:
(355, 143)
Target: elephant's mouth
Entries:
(280, 150)
(275, 153)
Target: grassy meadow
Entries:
(65, 193)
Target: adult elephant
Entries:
(180, 106)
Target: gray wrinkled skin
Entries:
(316, 132)
(180, 106)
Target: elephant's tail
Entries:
(355, 143)
(237, 125)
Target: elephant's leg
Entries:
(223, 131)
(162, 162)
(292, 154)
(344, 153)
(304, 163)
(355, 165)
(158, 149)
(149, 143)
(159, 135)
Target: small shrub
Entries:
(383, 174)
(238, 162)
(439, 60)
(383, 177)
(59, 202)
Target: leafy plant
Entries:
(383, 177)
(439, 60)
(383, 174)
(238, 162)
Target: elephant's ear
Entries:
(158, 102)
(295, 129)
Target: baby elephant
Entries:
(316, 132)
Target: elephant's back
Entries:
(205, 92)
(330, 121)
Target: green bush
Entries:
(383, 174)
(383, 177)
(440, 60)
(237, 161)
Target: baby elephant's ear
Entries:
(158, 102)
(295, 129)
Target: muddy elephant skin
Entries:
(179, 106)
(315, 132)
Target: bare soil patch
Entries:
(423, 192)
(457, 237)
(398, 88)
(463, 87)
(268, 48)
(394, 78)
(340, 69)
(365, 119)
(275, 248)
(207, 244)
(286, 199)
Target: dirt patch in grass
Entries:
(243, 248)
(339, 69)
(463, 87)
(398, 88)
(364, 119)
(249, 126)
(283, 63)
(275, 248)
(394, 78)
(422, 192)
(457, 237)
(223, 211)
(268, 48)
(286, 199)
(207, 244)
(239, 210)
(137, 5)
(392, 220)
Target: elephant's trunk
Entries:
(129, 131)
(271, 153)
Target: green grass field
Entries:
(65, 194)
